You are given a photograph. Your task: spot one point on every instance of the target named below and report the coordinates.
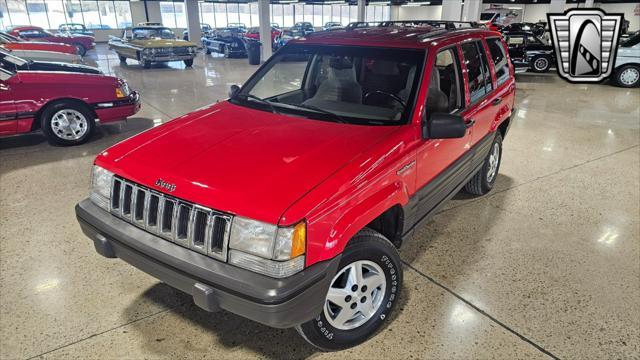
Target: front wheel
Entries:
(361, 296)
(67, 123)
(482, 182)
(188, 63)
(628, 76)
(540, 64)
(80, 49)
(146, 64)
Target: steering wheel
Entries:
(394, 97)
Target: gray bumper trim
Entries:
(214, 285)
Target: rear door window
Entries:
(477, 70)
(499, 57)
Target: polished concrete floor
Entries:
(547, 265)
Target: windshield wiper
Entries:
(336, 117)
(260, 100)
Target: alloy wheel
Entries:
(69, 124)
(541, 64)
(629, 76)
(355, 295)
(494, 160)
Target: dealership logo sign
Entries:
(586, 42)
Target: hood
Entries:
(240, 160)
(162, 43)
(58, 66)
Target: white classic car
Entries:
(626, 71)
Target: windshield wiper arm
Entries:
(335, 116)
(261, 101)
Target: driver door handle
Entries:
(496, 101)
(470, 123)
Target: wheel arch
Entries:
(382, 211)
(38, 116)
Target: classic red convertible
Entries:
(13, 43)
(65, 105)
(82, 43)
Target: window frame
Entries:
(462, 105)
(505, 53)
(482, 98)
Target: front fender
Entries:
(350, 217)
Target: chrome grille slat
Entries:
(190, 225)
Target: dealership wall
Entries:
(420, 12)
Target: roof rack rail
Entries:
(448, 25)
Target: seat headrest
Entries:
(340, 63)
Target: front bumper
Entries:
(166, 58)
(118, 109)
(214, 285)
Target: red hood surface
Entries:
(41, 46)
(239, 160)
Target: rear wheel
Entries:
(628, 76)
(67, 123)
(361, 296)
(540, 64)
(80, 49)
(482, 182)
(188, 63)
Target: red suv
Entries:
(286, 203)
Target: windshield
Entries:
(153, 33)
(357, 85)
(486, 16)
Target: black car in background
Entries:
(304, 27)
(229, 41)
(538, 29)
(529, 51)
(205, 28)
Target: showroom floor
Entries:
(546, 265)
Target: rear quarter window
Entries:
(477, 70)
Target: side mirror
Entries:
(444, 126)
(233, 91)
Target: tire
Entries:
(207, 50)
(540, 64)
(188, 63)
(122, 59)
(367, 250)
(627, 76)
(67, 123)
(80, 49)
(226, 52)
(482, 182)
(146, 64)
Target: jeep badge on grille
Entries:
(165, 185)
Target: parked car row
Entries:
(64, 101)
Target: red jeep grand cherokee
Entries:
(286, 203)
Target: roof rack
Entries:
(448, 25)
(441, 24)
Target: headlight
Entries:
(266, 248)
(101, 187)
(123, 90)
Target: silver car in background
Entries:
(626, 71)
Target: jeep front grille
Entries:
(192, 226)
